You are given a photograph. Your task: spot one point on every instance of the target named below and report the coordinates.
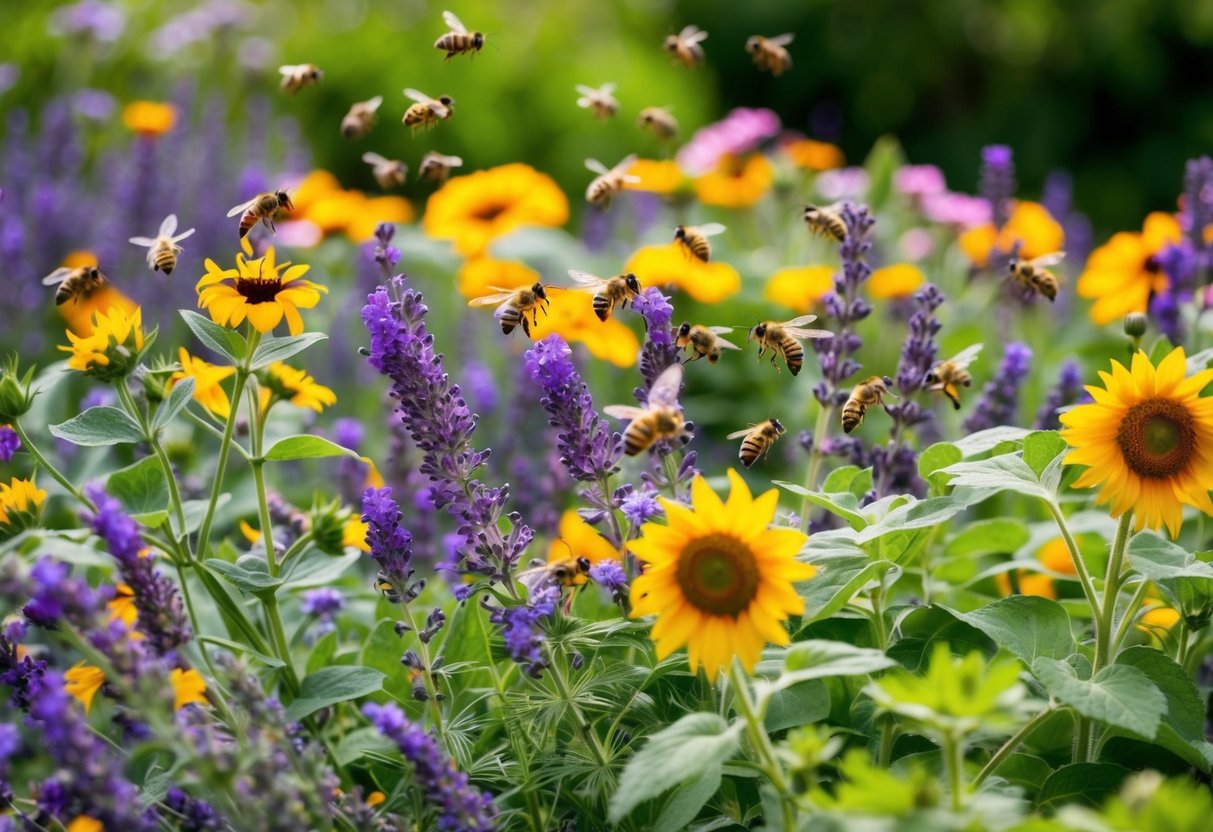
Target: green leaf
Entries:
(467, 641)
(303, 446)
(934, 459)
(1007, 472)
(1087, 783)
(987, 440)
(988, 537)
(142, 489)
(220, 339)
(249, 580)
(820, 659)
(1121, 695)
(177, 399)
(195, 510)
(686, 801)
(99, 426)
(844, 504)
(1161, 560)
(237, 647)
(836, 582)
(331, 685)
(840, 479)
(354, 745)
(693, 745)
(314, 568)
(794, 705)
(1025, 770)
(273, 349)
(322, 651)
(1027, 626)
(1042, 447)
(917, 514)
(382, 650)
(1182, 730)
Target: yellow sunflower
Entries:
(188, 688)
(897, 281)
(800, 288)
(113, 348)
(1054, 556)
(208, 391)
(149, 118)
(20, 506)
(669, 265)
(582, 540)
(82, 681)
(282, 382)
(657, 176)
(571, 315)
(476, 209)
(736, 182)
(1030, 225)
(1122, 273)
(718, 577)
(813, 155)
(478, 275)
(260, 290)
(1147, 441)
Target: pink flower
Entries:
(739, 132)
(919, 180)
(956, 209)
(844, 183)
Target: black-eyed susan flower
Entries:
(1030, 226)
(188, 688)
(149, 118)
(718, 577)
(82, 681)
(20, 506)
(1147, 441)
(261, 290)
(899, 280)
(113, 348)
(78, 313)
(476, 209)
(1121, 274)
(208, 378)
(736, 182)
(582, 540)
(1053, 556)
(800, 287)
(282, 382)
(669, 265)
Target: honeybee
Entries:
(685, 45)
(946, 376)
(758, 440)
(769, 53)
(564, 572)
(607, 183)
(163, 250)
(601, 102)
(784, 339)
(661, 419)
(262, 207)
(427, 112)
(868, 393)
(297, 76)
(389, 173)
(658, 121)
(1034, 275)
(388, 589)
(361, 118)
(514, 304)
(459, 40)
(607, 291)
(825, 222)
(437, 168)
(694, 239)
(78, 283)
(704, 341)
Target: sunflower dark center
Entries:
(1157, 438)
(718, 575)
(258, 290)
(490, 211)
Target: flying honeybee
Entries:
(459, 40)
(298, 76)
(704, 341)
(685, 45)
(608, 292)
(868, 393)
(784, 339)
(389, 590)
(513, 305)
(607, 183)
(758, 440)
(601, 102)
(661, 419)
(78, 283)
(658, 121)
(162, 251)
(1034, 275)
(437, 168)
(946, 376)
(426, 112)
(361, 118)
(825, 222)
(565, 572)
(389, 173)
(694, 239)
(262, 207)
(769, 53)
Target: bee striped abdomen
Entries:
(639, 436)
(751, 449)
(166, 260)
(793, 354)
(602, 306)
(700, 248)
(247, 220)
(852, 415)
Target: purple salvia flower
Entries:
(919, 350)
(325, 603)
(845, 308)
(101, 21)
(10, 443)
(481, 385)
(997, 181)
(10, 744)
(55, 595)
(459, 805)
(1057, 197)
(999, 401)
(660, 349)
(390, 543)
(1066, 392)
(18, 672)
(351, 472)
(640, 506)
(521, 627)
(386, 254)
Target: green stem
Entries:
(1184, 639)
(281, 649)
(1080, 566)
(1103, 624)
(128, 401)
(1009, 747)
(1082, 739)
(45, 464)
(427, 674)
(296, 547)
(762, 744)
(263, 512)
(1126, 620)
(604, 482)
(954, 758)
(225, 445)
(816, 458)
(671, 474)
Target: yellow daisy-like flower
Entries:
(122, 607)
(813, 155)
(478, 276)
(149, 118)
(83, 823)
(582, 540)
(736, 182)
(188, 688)
(377, 209)
(261, 290)
(669, 265)
(571, 315)
(354, 534)
(657, 176)
(800, 288)
(82, 681)
(287, 383)
(476, 209)
(1121, 274)
(1147, 441)
(1030, 225)
(208, 391)
(897, 281)
(78, 313)
(113, 348)
(718, 577)
(375, 798)
(20, 506)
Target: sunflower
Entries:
(476, 209)
(188, 688)
(113, 348)
(82, 681)
(571, 315)
(149, 118)
(259, 290)
(813, 155)
(1147, 441)
(582, 540)
(736, 182)
(669, 265)
(1030, 225)
(897, 281)
(657, 176)
(717, 577)
(800, 287)
(478, 275)
(1121, 274)
(282, 382)
(208, 391)
(1053, 556)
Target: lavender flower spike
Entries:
(660, 349)
(1066, 392)
(1000, 398)
(845, 308)
(997, 180)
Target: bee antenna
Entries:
(566, 544)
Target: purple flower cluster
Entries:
(459, 805)
(390, 543)
(740, 131)
(999, 401)
(386, 254)
(845, 308)
(640, 505)
(997, 181)
(10, 443)
(1066, 392)
(195, 813)
(660, 349)
(18, 672)
(351, 472)
(1198, 202)
(522, 629)
(1057, 197)
(54, 595)
(161, 617)
(325, 603)
(609, 575)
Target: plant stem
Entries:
(281, 649)
(604, 483)
(1126, 620)
(562, 686)
(128, 401)
(225, 444)
(1009, 747)
(427, 674)
(954, 759)
(762, 744)
(1080, 566)
(1103, 624)
(43, 463)
(671, 473)
(296, 547)
(816, 458)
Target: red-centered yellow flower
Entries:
(83, 823)
(571, 315)
(188, 688)
(800, 288)
(1030, 225)
(284, 382)
(579, 539)
(149, 118)
(718, 577)
(122, 607)
(476, 209)
(208, 389)
(669, 265)
(813, 155)
(478, 275)
(657, 176)
(113, 348)
(1121, 274)
(897, 281)
(82, 681)
(261, 290)
(20, 506)
(354, 533)
(736, 182)
(1147, 441)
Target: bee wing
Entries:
(587, 281)
(806, 334)
(665, 388)
(372, 104)
(452, 161)
(585, 90)
(242, 207)
(373, 158)
(625, 412)
(1046, 260)
(608, 88)
(801, 321)
(782, 40)
(625, 163)
(584, 102)
(728, 345)
(534, 577)
(455, 23)
(596, 166)
(711, 229)
(290, 69)
(491, 300)
(61, 274)
(691, 35)
(439, 109)
(139, 241)
(417, 95)
(168, 226)
(737, 434)
(721, 330)
(967, 356)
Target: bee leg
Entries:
(526, 326)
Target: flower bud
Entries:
(1135, 324)
(15, 395)
(328, 524)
